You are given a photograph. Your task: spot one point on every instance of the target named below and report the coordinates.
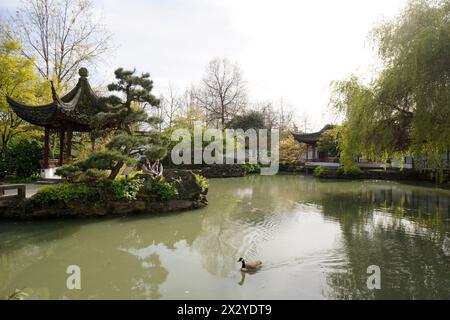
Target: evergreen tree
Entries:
(128, 125)
(249, 120)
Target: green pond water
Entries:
(316, 240)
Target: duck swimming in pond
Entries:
(250, 266)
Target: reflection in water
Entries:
(316, 239)
(242, 278)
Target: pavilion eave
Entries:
(71, 113)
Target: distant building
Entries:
(313, 157)
(311, 140)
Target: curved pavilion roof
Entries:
(74, 110)
(311, 138)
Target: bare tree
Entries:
(172, 104)
(270, 115)
(304, 123)
(277, 116)
(286, 116)
(58, 35)
(222, 92)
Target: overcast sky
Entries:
(287, 49)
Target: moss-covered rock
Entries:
(223, 171)
(186, 182)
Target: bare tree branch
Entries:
(59, 35)
(222, 92)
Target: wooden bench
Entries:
(8, 200)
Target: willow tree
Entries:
(406, 109)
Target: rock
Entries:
(215, 170)
(223, 171)
(186, 184)
(126, 207)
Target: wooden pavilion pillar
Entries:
(307, 151)
(69, 144)
(61, 147)
(46, 147)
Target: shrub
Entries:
(125, 188)
(251, 168)
(290, 150)
(21, 159)
(162, 189)
(14, 179)
(65, 192)
(3, 168)
(289, 165)
(320, 171)
(351, 171)
(202, 181)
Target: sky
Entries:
(288, 50)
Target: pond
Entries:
(316, 240)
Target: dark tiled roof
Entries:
(311, 138)
(74, 110)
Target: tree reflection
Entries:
(401, 232)
(154, 275)
(399, 228)
(246, 218)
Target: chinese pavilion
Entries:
(70, 113)
(311, 140)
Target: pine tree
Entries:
(123, 121)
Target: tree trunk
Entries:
(222, 116)
(115, 171)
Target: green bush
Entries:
(4, 168)
(320, 171)
(14, 180)
(251, 168)
(202, 181)
(21, 159)
(351, 171)
(66, 192)
(289, 165)
(125, 188)
(163, 189)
